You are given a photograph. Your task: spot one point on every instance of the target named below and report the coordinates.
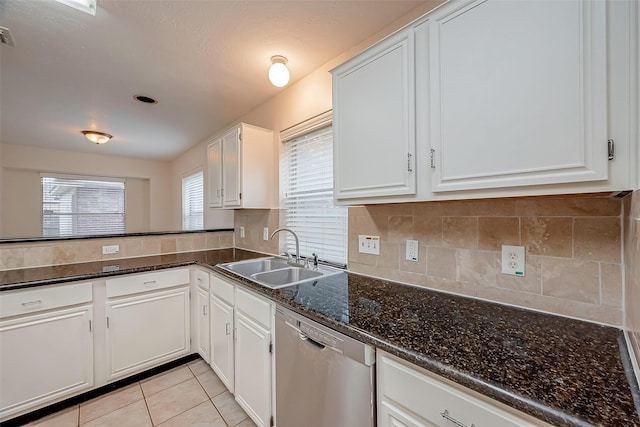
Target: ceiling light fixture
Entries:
(86, 6)
(278, 72)
(97, 137)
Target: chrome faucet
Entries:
(295, 236)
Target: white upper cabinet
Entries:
(243, 168)
(492, 98)
(518, 93)
(374, 121)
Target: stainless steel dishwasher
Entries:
(323, 378)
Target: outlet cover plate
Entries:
(412, 250)
(265, 233)
(513, 260)
(111, 249)
(369, 244)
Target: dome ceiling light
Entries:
(97, 137)
(278, 72)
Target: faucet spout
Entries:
(295, 236)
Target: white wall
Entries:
(149, 191)
(298, 102)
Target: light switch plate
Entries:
(513, 260)
(412, 250)
(242, 232)
(369, 244)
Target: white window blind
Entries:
(307, 182)
(193, 202)
(82, 206)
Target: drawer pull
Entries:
(31, 303)
(446, 416)
(150, 283)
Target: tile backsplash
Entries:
(573, 250)
(41, 254)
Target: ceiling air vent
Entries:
(5, 36)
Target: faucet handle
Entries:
(315, 261)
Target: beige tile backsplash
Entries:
(573, 250)
(254, 221)
(41, 254)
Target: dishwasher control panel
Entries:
(320, 336)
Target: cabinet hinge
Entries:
(240, 196)
(239, 136)
(409, 163)
(107, 322)
(271, 421)
(270, 347)
(433, 158)
(611, 148)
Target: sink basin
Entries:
(252, 266)
(286, 276)
(274, 272)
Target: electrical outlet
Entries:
(242, 232)
(112, 249)
(412, 250)
(513, 260)
(265, 233)
(369, 244)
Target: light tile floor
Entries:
(189, 395)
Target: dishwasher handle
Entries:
(310, 340)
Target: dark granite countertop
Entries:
(563, 371)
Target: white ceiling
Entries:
(205, 61)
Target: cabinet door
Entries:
(518, 93)
(374, 121)
(390, 415)
(44, 358)
(214, 164)
(146, 330)
(232, 158)
(222, 341)
(253, 369)
(202, 324)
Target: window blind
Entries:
(193, 202)
(307, 182)
(82, 206)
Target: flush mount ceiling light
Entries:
(97, 137)
(278, 72)
(86, 6)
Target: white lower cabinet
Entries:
(222, 340)
(241, 344)
(147, 328)
(408, 395)
(202, 314)
(253, 368)
(46, 346)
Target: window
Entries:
(307, 183)
(193, 202)
(82, 206)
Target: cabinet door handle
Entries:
(107, 322)
(446, 416)
(409, 163)
(89, 325)
(204, 310)
(30, 303)
(150, 283)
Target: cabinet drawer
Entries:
(13, 303)
(254, 307)
(202, 279)
(433, 399)
(222, 289)
(137, 283)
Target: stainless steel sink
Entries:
(274, 272)
(260, 265)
